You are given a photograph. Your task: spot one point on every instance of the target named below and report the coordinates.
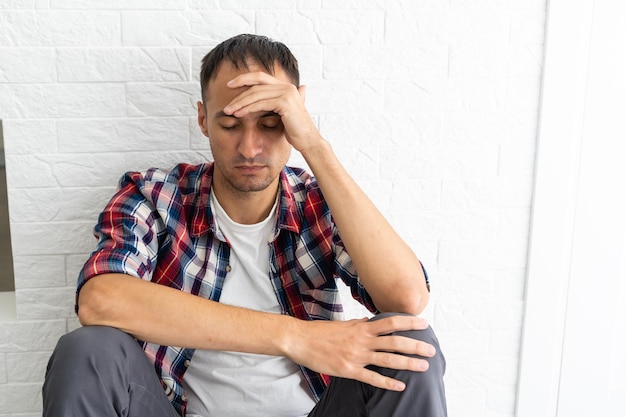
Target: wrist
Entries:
(316, 150)
(289, 336)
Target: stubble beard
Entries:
(249, 185)
(246, 183)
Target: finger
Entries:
(399, 362)
(378, 380)
(302, 91)
(252, 78)
(259, 97)
(404, 345)
(402, 323)
(241, 110)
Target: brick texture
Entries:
(432, 106)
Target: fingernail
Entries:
(400, 386)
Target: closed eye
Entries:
(271, 121)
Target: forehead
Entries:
(217, 90)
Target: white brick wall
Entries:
(431, 104)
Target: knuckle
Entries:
(393, 344)
(378, 380)
(395, 321)
(386, 360)
(344, 369)
(419, 365)
(425, 349)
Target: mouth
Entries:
(250, 168)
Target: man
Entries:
(237, 263)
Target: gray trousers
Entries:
(103, 372)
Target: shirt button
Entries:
(187, 362)
(228, 268)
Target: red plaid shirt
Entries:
(159, 227)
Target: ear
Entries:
(302, 91)
(202, 119)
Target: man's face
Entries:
(250, 151)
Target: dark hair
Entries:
(240, 49)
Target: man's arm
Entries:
(167, 316)
(387, 267)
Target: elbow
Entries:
(86, 314)
(418, 295)
(409, 302)
(412, 290)
(411, 296)
(414, 304)
(419, 303)
(92, 303)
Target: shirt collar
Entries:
(288, 217)
(203, 220)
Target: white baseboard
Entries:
(7, 306)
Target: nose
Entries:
(251, 143)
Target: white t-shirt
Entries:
(232, 384)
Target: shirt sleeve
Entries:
(128, 230)
(346, 270)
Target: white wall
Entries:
(432, 105)
(572, 361)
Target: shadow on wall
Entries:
(6, 259)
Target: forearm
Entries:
(387, 267)
(166, 316)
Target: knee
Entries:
(437, 363)
(92, 338)
(86, 343)
(427, 335)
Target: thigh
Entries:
(343, 398)
(424, 395)
(102, 371)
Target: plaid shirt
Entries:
(159, 227)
